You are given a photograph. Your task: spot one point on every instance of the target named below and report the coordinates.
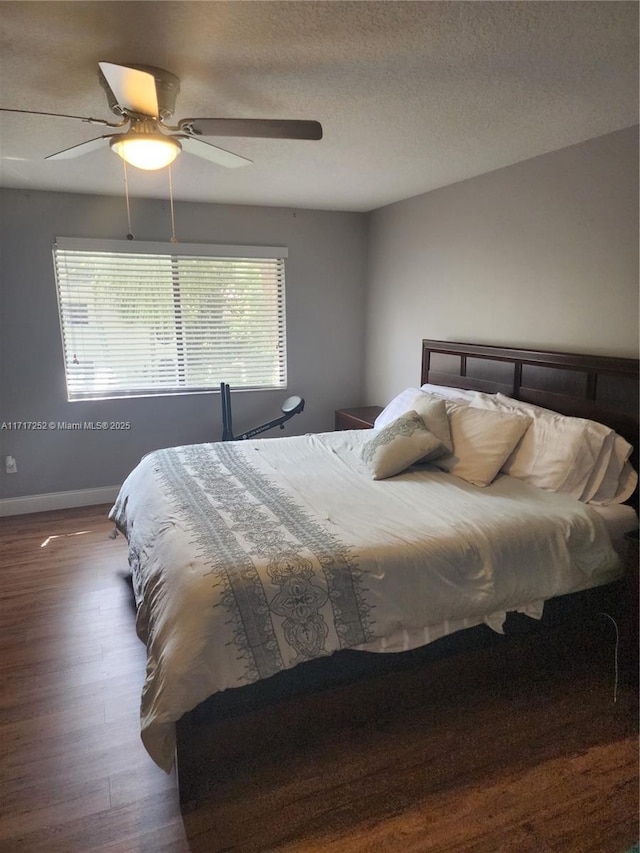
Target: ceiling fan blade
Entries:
(264, 128)
(211, 152)
(57, 115)
(78, 150)
(133, 90)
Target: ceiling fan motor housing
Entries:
(167, 89)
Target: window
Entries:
(139, 319)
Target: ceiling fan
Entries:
(144, 99)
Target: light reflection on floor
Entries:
(62, 536)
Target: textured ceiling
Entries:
(411, 95)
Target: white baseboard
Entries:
(58, 500)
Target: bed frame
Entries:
(601, 388)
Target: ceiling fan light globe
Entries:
(146, 152)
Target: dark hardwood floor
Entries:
(518, 748)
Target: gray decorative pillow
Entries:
(398, 445)
(434, 414)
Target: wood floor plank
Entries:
(41, 732)
(505, 752)
(26, 701)
(125, 825)
(69, 802)
(109, 747)
(140, 781)
(12, 638)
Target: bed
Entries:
(265, 568)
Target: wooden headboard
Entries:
(601, 388)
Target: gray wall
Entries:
(325, 295)
(543, 254)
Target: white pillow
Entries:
(403, 402)
(627, 483)
(482, 442)
(602, 469)
(400, 404)
(398, 445)
(619, 480)
(433, 411)
(572, 456)
(448, 393)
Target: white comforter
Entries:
(251, 557)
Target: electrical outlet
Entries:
(10, 465)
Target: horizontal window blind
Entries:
(144, 319)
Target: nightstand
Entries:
(359, 418)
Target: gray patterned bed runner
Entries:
(241, 523)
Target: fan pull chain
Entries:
(130, 235)
(174, 239)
